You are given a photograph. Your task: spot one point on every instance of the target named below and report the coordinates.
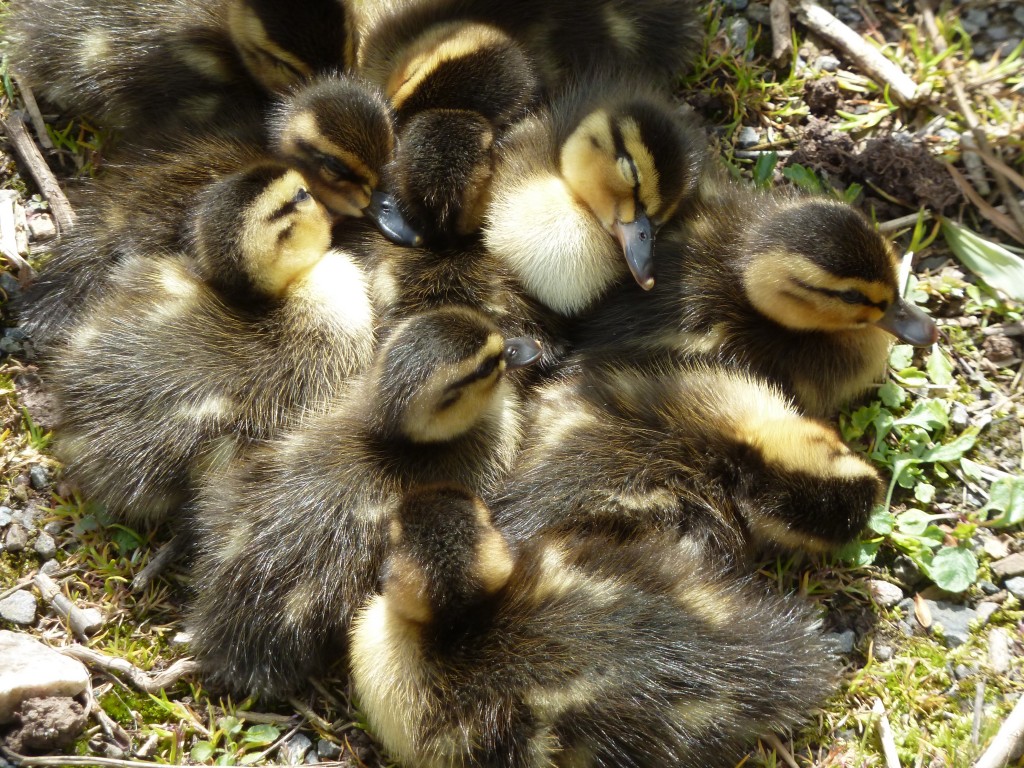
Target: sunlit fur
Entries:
(161, 64)
(564, 176)
(759, 275)
(293, 537)
(185, 359)
(713, 454)
(140, 205)
(653, 40)
(573, 651)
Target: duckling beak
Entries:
(909, 324)
(521, 351)
(637, 241)
(383, 210)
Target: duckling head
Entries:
(282, 44)
(446, 555)
(258, 230)
(442, 172)
(340, 133)
(631, 163)
(818, 265)
(441, 372)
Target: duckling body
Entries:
(337, 131)
(294, 536)
(799, 290)
(187, 358)
(143, 65)
(714, 455)
(580, 189)
(572, 651)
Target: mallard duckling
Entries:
(294, 535)
(142, 65)
(715, 455)
(337, 130)
(801, 290)
(652, 40)
(573, 651)
(186, 358)
(584, 183)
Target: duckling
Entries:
(798, 289)
(584, 183)
(292, 537)
(573, 651)
(715, 455)
(652, 40)
(336, 130)
(186, 359)
(139, 65)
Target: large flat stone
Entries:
(1009, 567)
(29, 670)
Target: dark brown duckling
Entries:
(294, 535)
(573, 651)
(800, 290)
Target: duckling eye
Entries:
(336, 168)
(301, 196)
(853, 297)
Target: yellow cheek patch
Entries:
(647, 170)
(304, 130)
(590, 169)
(272, 65)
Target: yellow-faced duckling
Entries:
(145, 65)
(336, 130)
(715, 455)
(580, 189)
(185, 358)
(573, 651)
(294, 535)
(800, 290)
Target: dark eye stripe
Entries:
(846, 296)
(485, 369)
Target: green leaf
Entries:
(924, 492)
(954, 450)
(883, 426)
(252, 757)
(939, 367)
(954, 569)
(1006, 496)
(928, 414)
(852, 192)
(912, 377)
(803, 177)
(892, 394)
(125, 538)
(856, 423)
(230, 724)
(881, 521)
(998, 267)
(764, 167)
(201, 751)
(913, 522)
(261, 735)
(972, 470)
(859, 554)
(902, 356)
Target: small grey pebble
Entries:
(988, 587)
(41, 227)
(16, 539)
(883, 652)
(974, 20)
(827, 63)
(10, 346)
(39, 477)
(10, 285)
(948, 134)
(1015, 586)
(735, 5)
(904, 569)
(747, 137)
(293, 751)
(311, 758)
(962, 671)
(885, 593)
(738, 30)
(959, 418)
(759, 14)
(954, 619)
(848, 16)
(49, 568)
(328, 750)
(19, 608)
(26, 517)
(6, 516)
(1018, 14)
(844, 641)
(998, 33)
(45, 546)
(53, 527)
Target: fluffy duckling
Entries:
(801, 290)
(139, 65)
(293, 536)
(573, 651)
(585, 183)
(653, 40)
(184, 359)
(336, 130)
(715, 455)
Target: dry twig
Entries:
(775, 743)
(67, 761)
(782, 31)
(33, 113)
(144, 681)
(1006, 741)
(27, 150)
(892, 759)
(998, 218)
(83, 622)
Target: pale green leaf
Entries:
(912, 377)
(859, 554)
(1006, 496)
(201, 751)
(928, 414)
(939, 367)
(261, 735)
(998, 267)
(924, 492)
(881, 521)
(954, 450)
(913, 522)
(954, 569)
(892, 394)
(972, 470)
(902, 356)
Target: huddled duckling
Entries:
(336, 130)
(801, 290)
(188, 357)
(580, 189)
(573, 651)
(653, 40)
(293, 536)
(140, 65)
(715, 455)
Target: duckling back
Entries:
(572, 651)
